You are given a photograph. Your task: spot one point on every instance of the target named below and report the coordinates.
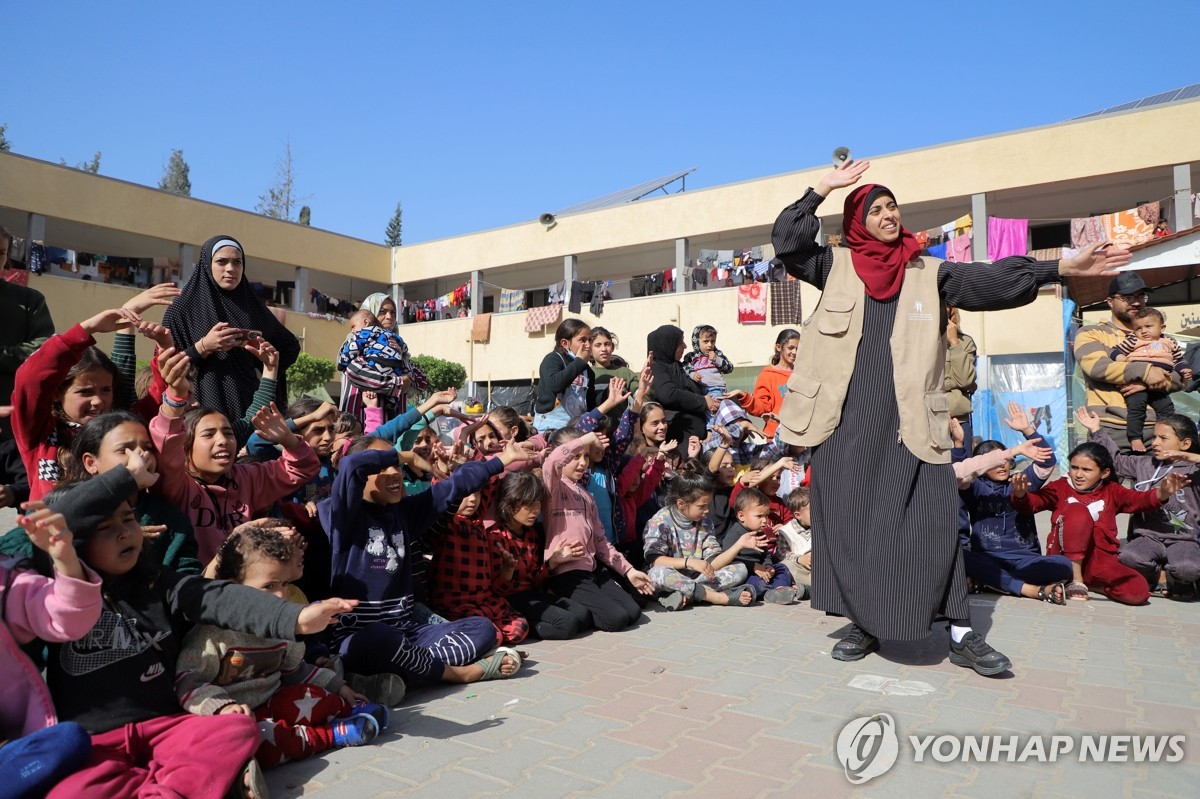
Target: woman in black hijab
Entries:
(674, 390)
(213, 319)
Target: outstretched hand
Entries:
(1020, 485)
(48, 532)
(316, 617)
(176, 370)
(111, 321)
(156, 333)
(271, 425)
(1099, 258)
(1170, 484)
(1034, 450)
(162, 294)
(1018, 420)
(845, 175)
(1089, 420)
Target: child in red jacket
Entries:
(1085, 505)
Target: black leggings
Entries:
(1135, 410)
(611, 607)
(552, 618)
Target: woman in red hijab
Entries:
(866, 396)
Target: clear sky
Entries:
(478, 115)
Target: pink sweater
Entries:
(59, 610)
(570, 516)
(216, 508)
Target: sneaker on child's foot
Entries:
(380, 712)
(385, 688)
(356, 730)
(784, 595)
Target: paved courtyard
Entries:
(728, 702)
(731, 702)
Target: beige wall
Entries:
(70, 194)
(513, 354)
(71, 301)
(1092, 147)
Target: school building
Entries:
(1110, 161)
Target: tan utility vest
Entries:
(816, 391)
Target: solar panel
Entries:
(626, 195)
(1172, 96)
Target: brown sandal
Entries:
(1077, 591)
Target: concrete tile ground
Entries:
(725, 702)
(748, 703)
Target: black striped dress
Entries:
(885, 523)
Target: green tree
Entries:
(392, 235)
(441, 374)
(5, 144)
(305, 217)
(308, 374)
(92, 166)
(176, 176)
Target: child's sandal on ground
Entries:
(1077, 592)
(735, 596)
(250, 783)
(1055, 593)
(492, 663)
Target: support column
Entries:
(1183, 198)
(300, 292)
(476, 292)
(35, 230)
(187, 261)
(397, 292)
(681, 259)
(979, 215)
(570, 274)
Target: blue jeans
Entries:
(1010, 571)
(782, 579)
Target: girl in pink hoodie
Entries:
(570, 517)
(61, 608)
(196, 453)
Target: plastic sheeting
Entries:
(1035, 381)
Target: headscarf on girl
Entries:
(880, 265)
(227, 381)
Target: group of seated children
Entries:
(168, 549)
(1001, 549)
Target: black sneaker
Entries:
(855, 645)
(974, 652)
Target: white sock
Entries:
(957, 633)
